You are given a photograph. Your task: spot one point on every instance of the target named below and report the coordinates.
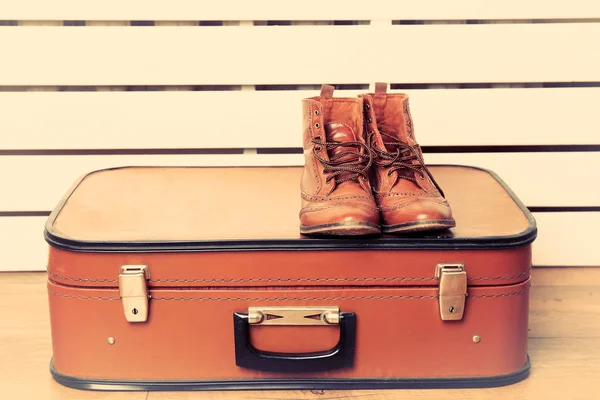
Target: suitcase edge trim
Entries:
(294, 384)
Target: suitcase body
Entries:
(197, 278)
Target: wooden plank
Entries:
(307, 10)
(38, 182)
(22, 242)
(566, 276)
(48, 177)
(26, 344)
(563, 368)
(283, 55)
(573, 304)
(534, 176)
(195, 119)
(565, 239)
(25, 341)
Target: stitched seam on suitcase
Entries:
(330, 298)
(291, 279)
(339, 298)
(80, 279)
(501, 294)
(82, 297)
(295, 298)
(288, 298)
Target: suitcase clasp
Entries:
(133, 290)
(453, 290)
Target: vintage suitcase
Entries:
(188, 278)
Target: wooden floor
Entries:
(564, 347)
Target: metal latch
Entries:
(293, 315)
(133, 290)
(453, 290)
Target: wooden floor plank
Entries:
(564, 312)
(565, 276)
(25, 343)
(565, 362)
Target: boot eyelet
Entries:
(422, 176)
(369, 120)
(317, 125)
(316, 112)
(368, 107)
(371, 131)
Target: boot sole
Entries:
(342, 229)
(419, 226)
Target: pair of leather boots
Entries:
(364, 171)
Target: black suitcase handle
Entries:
(340, 356)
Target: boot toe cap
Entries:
(417, 215)
(344, 219)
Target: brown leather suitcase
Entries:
(187, 278)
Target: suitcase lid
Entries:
(245, 211)
(257, 208)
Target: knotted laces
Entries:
(406, 157)
(355, 167)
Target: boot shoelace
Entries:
(356, 167)
(403, 158)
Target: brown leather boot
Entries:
(408, 196)
(336, 192)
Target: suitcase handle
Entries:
(340, 356)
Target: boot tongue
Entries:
(397, 123)
(341, 133)
(393, 116)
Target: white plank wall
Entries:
(193, 119)
(216, 55)
(183, 10)
(74, 99)
(534, 177)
